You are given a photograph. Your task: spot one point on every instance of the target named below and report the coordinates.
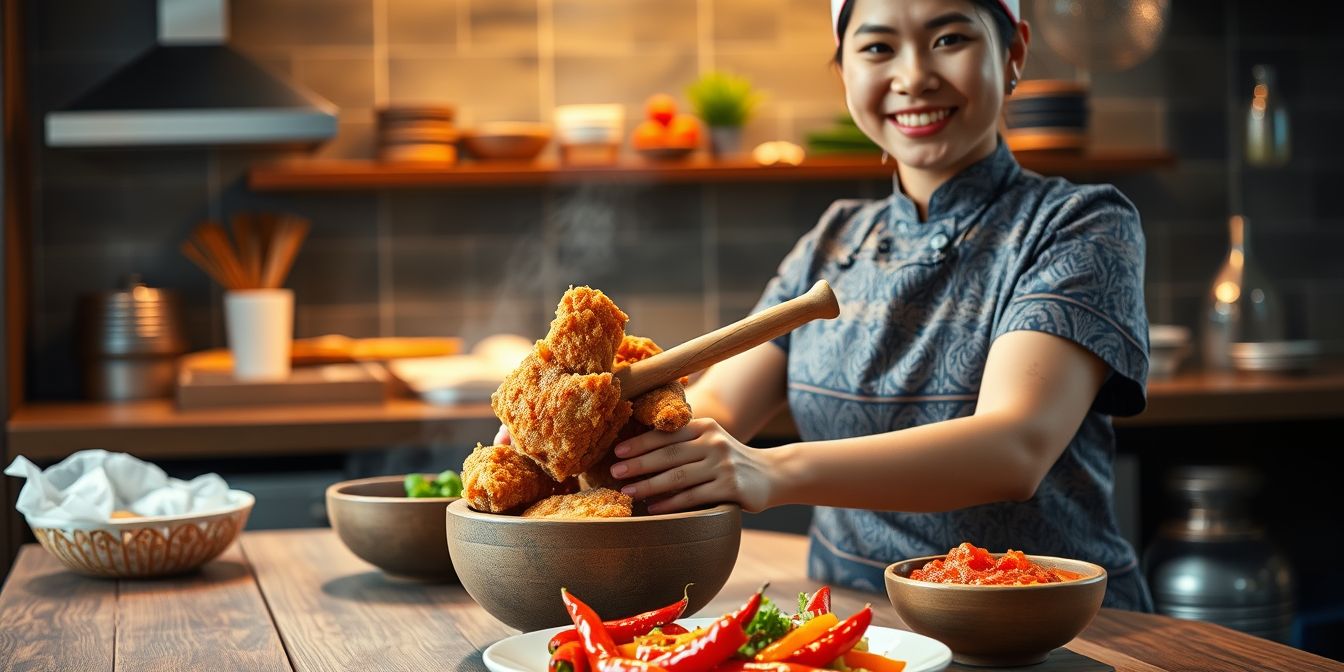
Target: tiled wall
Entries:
(680, 259)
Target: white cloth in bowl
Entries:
(88, 486)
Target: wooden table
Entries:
(298, 600)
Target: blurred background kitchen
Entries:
(378, 140)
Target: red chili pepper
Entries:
(820, 602)
(597, 642)
(834, 642)
(625, 630)
(748, 610)
(701, 654)
(671, 629)
(570, 657)
(735, 665)
(614, 664)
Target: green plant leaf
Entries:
(723, 99)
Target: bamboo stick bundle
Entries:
(259, 256)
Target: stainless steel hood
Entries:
(192, 89)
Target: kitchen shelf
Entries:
(359, 174)
(155, 429)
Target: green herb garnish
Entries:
(446, 484)
(768, 625)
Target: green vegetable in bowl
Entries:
(446, 484)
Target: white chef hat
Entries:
(1013, 7)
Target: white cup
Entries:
(260, 326)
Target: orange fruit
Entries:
(684, 131)
(649, 134)
(661, 108)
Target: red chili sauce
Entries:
(972, 565)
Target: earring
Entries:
(1012, 84)
(884, 158)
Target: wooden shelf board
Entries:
(156, 428)
(359, 174)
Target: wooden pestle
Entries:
(704, 351)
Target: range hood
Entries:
(192, 89)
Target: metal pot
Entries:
(129, 342)
(1214, 563)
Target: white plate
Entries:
(527, 652)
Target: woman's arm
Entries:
(1036, 390)
(742, 393)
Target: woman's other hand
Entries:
(698, 464)
(502, 437)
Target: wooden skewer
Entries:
(267, 224)
(215, 242)
(716, 346)
(249, 247)
(289, 235)
(200, 259)
(264, 253)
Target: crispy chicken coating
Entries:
(599, 475)
(663, 408)
(633, 349)
(563, 421)
(586, 332)
(594, 503)
(496, 479)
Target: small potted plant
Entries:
(725, 102)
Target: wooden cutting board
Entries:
(358, 383)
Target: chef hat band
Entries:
(1013, 7)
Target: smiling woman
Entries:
(991, 323)
(914, 69)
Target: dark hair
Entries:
(1002, 23)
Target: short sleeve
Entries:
(792, 277)
(1085, 283)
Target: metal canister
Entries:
(1214, 562)
(130, 340)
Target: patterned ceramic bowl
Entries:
(147, 546)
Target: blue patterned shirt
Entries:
(1003, 249)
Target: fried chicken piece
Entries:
(599, 475)
(496, 479)
(632, 349)
(663, 408)
(586, 332)
(594, 503)
(636, 348)
(563, 421)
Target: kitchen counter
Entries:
(156, 429)
(298, 600)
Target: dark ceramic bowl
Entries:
(514, 567)
(400, 535)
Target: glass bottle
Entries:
(1244, 306)
(1267, 141)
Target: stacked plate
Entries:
(1168, 345)
(1274, 355)
(417, 133)
(1047, 114)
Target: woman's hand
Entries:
(700, 463)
